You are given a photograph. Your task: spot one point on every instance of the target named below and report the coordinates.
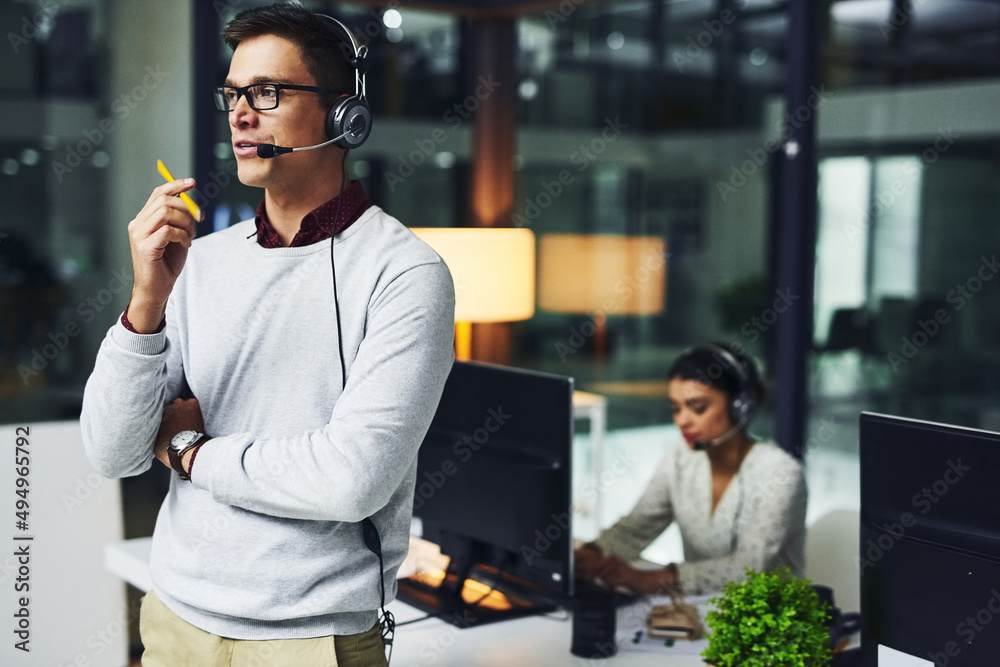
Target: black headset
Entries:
(743, 403)
(350, 115)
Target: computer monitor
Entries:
(493, 490)
(930, 542)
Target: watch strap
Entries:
(176, 457)
(197, 448)
(175, 461)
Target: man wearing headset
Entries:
(739, 503)
(289, 512)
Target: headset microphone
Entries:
(701, 445)
(270, 150)
(743, 404)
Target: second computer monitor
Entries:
(929, 552)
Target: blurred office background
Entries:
(684, 123)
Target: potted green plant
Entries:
(769, 620)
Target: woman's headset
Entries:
(742, 404)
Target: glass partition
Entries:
(56, 279)
(905, 301)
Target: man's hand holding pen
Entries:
(159, 236)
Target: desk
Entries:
(524, 642)
(594, 407)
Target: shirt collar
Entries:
(318, 224)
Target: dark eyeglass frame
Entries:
(222, 102)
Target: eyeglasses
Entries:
(260, 96)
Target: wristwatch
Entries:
(179, 444)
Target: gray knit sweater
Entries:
(263, 542)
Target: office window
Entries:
(57, 282)
(653, 113)
(912, 90)
(844, 223)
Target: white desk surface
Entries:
(526, 642)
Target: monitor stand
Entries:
(445, 600)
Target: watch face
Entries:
(183, 439)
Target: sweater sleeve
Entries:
(773, 510)
(134, 376)
(350, 468)
(651, 515)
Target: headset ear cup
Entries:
(742, 407)
(349, 112)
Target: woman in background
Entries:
(739, 503)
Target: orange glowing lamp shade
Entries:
(602, 274)
(494, 274)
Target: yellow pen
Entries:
(195, 211)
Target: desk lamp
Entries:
(494, 273)
(602, 275)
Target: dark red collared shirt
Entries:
(317, 225)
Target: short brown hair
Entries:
(324, 51)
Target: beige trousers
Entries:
(170, 641)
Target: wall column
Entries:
(494, 85)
